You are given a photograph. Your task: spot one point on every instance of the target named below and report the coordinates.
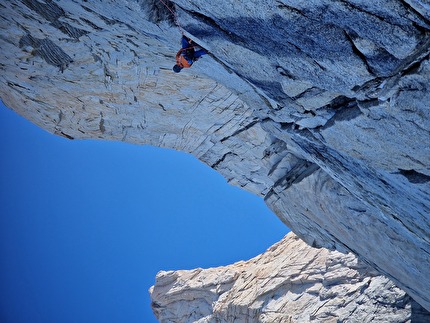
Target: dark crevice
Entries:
(345, 109)
(91, 24)
(248, 126)
(414, 177)
(69, 29)
(312, 91)
(219, 161)
(282, 5)
(107, 20)
(341, 102)
(48, 10)
(408, 65)
(319, 65)
(272, 89)
(108, 74)
(295, 175)
(358, 52)
(128, 40)
(370, 88)
(368, 104)
(423, 30)
(60, 117)
(415, 12)
(101, 123)
(288, 125)
(65, 135)
(414, 67)
(284, 72)
(299, 173)
(355, 7)
(311, 112)
(157, 12)
(421, 53)
(13, 84)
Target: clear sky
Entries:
(86, 225)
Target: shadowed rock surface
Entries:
(321, 107)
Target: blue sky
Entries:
(86, 225)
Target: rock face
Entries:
(290, 282)
(321, 107)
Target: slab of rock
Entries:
(290, 282)
(327, 118)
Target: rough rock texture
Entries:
(290, 282)
(321, 107)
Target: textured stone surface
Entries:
(321, 107)
(290, 282)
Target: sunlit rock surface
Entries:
(290, 282)
(321, 107)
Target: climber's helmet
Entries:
(177, 68)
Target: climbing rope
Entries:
(175, 17)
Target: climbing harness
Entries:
(181, 61)
(175, 17)
(181, 58)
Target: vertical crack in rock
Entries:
(102, 123)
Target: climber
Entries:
(187, 55)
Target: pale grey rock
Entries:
(290, 282)
(320, 107)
